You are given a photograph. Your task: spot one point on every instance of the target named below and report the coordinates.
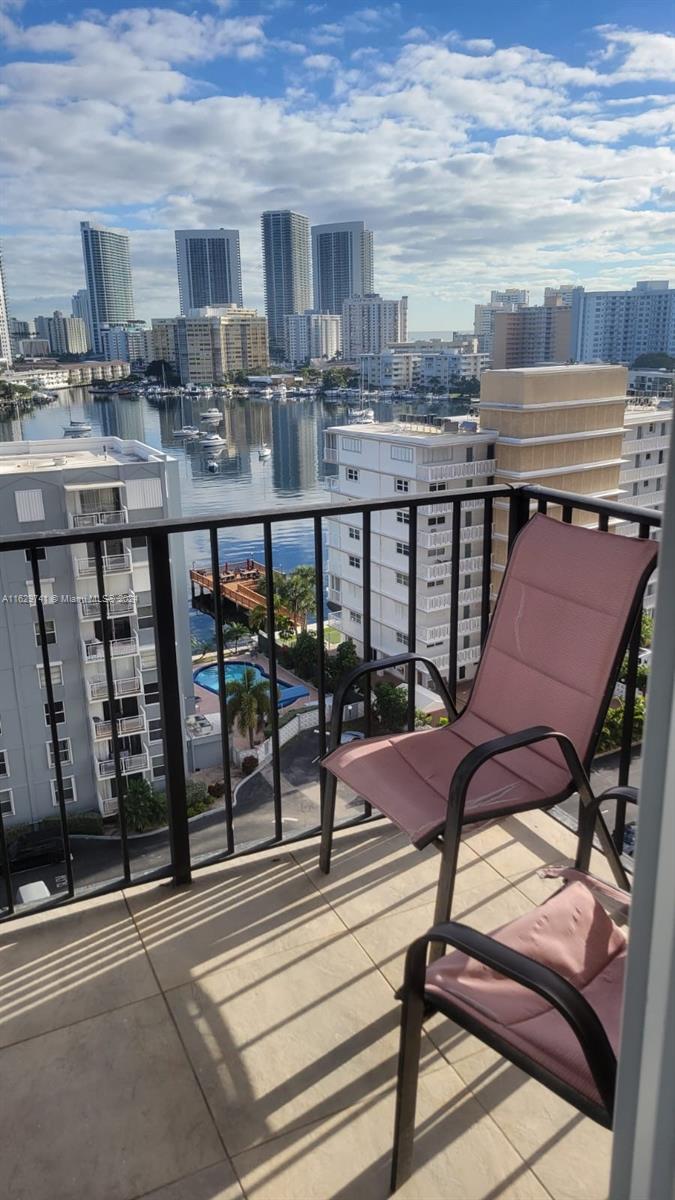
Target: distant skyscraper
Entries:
(618, 326)
(107, 270)
(371, 324)
(67, 335)
(286, 265)
(342, 258)
(81, 308)
(209, 268)
(5, 346)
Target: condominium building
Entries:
(371, 324)
(405, 368)
(287, 272)
(564, 294)
(510, 296)
(67, 335)
(81, 308)
(618, 326)
(209, 268)
(389, 369)
(126, 342)
(5, 344)
(35, 347)
(212, 343)
(19, 331)
(509, 300)
(342, 262)
(89, 483)
(403, 459)
(107, 270)
(645, 450)
(533, 336)
(647, 381)
(55, 376)
(312, 335)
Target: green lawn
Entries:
(332, 636)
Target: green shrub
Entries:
(610, 736)
(144, 807)
(249, 764)
(216, 790)
(197, 796)
(391, 706)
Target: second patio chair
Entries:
(566, 609)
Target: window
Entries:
(354, 533)
(401, 638)
(138, 543)
(29, 505)
(355, 616)
(158, 767)
(469, 454)
(65, 752)
(69, 793)
(468, 516)
(437, 487)
(50, 631)
(402, 453)
(403, 548)
(335, 583)
(467, 581)
(403, 516)
(151, 692)
(146, 616)
(352, 474)
(46, 591)
(402, 580)
(437, 520)
(59, 714)
(7, 803)
(40, 554)
(491, 450)
(401, 485)
(56, 674)
(351, 443)
(466, 612)
(155, 729)
(354, 561)
(466, 641)
(467, 550)
(4, 763)
(462, 672)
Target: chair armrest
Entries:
(552, 987)
(629, 794)
(382, 664)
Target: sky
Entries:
(500, 144)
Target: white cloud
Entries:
(321, 62)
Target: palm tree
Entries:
(235, 633)
(248, 702)
(203, 646)
(297, 593)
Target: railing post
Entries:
(519, 513)
(169, 689)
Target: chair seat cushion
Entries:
(573, 935)
(407, 776)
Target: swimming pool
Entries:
(207, 677)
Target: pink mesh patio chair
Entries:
(545, 991)
(566, 609)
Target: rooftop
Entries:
(449, 429)
(74, 454)
(239, 1037)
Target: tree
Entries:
(646, 630)
(297, 593)
(162, 370)
(339, 665)
(235, 633)
(202, 646)
(391, 706)
(143, 806)
(655, 361)
(248, 702)
(283, 625)
(257, 618)
(304, 658)
(610, 736)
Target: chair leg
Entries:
(412, 1015)
(446, 884)
(585, 839)
(327, 820)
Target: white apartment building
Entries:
(55, 376)
(484, 315)
(619, 326)
(642, 477)
(371, 324)
(68, 335)
(5, 344)
(88, 483)
(312, 335)
(405, 368)
(342, 264)
(650, 381)
(389, 369)
(211, 343)
(127, 342)
(404, 459)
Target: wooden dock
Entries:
(237, 583)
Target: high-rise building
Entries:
(19, 331)
(484, 315)
(409, 365)
(36, 347)
(287, 272)
(645, 451)
(5, 344)
(67, 335)
(342, 264)
(209, 268)
(81, 308)
(510, 296)
(312, 335)
(617, 327)
(212, 343)
(87, 484)
(532, 337)
(127, 343)
(371, 324)
(560, 295)
(107, 270)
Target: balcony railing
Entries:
(462, 581)
(437, 472)
(116, 606)
(102, 729)
(112, 564)
(119, 648)
(108, 516)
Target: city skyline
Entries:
(507, 152)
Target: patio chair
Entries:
(566, 609)
(545, 991)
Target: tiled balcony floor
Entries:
(239, 1037)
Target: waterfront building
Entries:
(312, 335)
(618, 326)
(5, 343)
(36, 347)
(287, 272)
(645, 451)
(81, 308)
(209, 268)
(509, 300)
(342, 264)
(57, 376)
(19, 331)
(126, 342)
(371, 324)
(66, 484)
(531, 337)
(212, 343)
(651, 381)
(404, 368)
(67, 335)
(404, 458)
(564, 294)
(107, 270)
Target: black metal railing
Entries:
(504, 512)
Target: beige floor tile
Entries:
(383, 874)
(460, 1154)
(214, 1183)
(568, 1153)
(291, 1038)
(522, 844)
(104, 1110)
(72, 963)
(238, 912)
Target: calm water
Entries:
(293, 475)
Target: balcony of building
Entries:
(124, 647)
(107, 516)
(130, 764)
(134, 723)
(124, 685)
(123, 605)
(113, 564)
(438, 472)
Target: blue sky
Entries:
(499, 144)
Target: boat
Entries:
(212, 466)
(76, 429)
(212, 414)
(187, 431)
(212, 439)
(264, 452)
(362, 416)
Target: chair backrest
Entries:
(565, 612)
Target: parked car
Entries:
(34, 848)
(351, 735)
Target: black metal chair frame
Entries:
(418, 1004)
